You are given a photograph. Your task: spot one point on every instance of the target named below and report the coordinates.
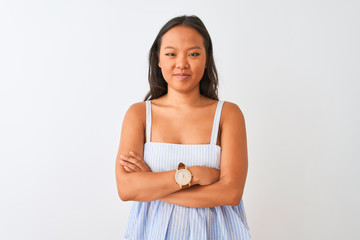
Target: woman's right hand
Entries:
(204, 175)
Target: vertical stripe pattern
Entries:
(157, 220)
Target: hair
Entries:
(208, 83)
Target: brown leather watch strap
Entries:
(181, 166)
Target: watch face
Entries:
(183, 176)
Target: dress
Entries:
(158, 220)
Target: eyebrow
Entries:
(194, 47)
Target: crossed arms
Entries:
(210, 187)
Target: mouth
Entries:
(182, 76)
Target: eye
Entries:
(194, 54)
(170, 54)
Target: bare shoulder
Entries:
(137, 107)
(136, 112)
(231, 113)
(133, 129)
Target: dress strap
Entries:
(148, 120)
(216, 123)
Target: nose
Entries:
(182, 62)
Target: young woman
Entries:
(182, 157)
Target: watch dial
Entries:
(183, 176)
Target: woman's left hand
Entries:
(134, 163)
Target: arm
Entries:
(214, 195)
(134, 186)
(234, 164)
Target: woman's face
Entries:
(182, 58)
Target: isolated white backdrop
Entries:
(70, 69)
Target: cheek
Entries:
(164, 65)
(200, 68)
(166, 70)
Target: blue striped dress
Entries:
(157, 220)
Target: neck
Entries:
(179, 99)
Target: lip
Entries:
(182, 76)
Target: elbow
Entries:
(124, 192)
(123, 197)
(236, 197)
(125, 189)
(233, 194)
(126, 195)
(235, 202)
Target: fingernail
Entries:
(132, 153)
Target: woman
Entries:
(171, 144)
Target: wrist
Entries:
(194, 178)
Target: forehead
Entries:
(182, 36)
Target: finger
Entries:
(129, 162)
(141, 161)
(129, 159)
(135, 155)
(123, 164)
(128, 169)
(131, 166)
(137, 161)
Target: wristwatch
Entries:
(183, 176)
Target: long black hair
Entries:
(208, 83)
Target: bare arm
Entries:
(214, 195)
(146, 186)
(233, 169)
(135, 186)
(234, 164)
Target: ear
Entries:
(158, 60)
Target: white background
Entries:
(70, 69)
